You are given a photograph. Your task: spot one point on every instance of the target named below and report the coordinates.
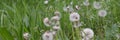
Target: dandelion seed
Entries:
(97, 5)
(118, 36)
(74, 17)
(68, 6)
(102, 13)
(54, 33)
(57, 13)
(65, 9)
(85, 38)
(55, 18)
(47, 35)
(46, 22)
(55, 22)
(71, 2)
(26, 36)
(68, 9)
(87, 33)
(46, 2)
(86, 3)
(77, 7)
(56, 27)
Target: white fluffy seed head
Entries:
(55, 18)
(87, 33)
(117, 36)
(71, 3)
(57, 13)
(74, 17)
(26, 36)
(47, 35)
(46, 2)
(68, 9)
(85, 38)
(77, 7)
(65, 9)
(86, 3)
(55, 22)
(102, 13)
(54, 32)
(46, 21)
(97, 5)
(56, 27)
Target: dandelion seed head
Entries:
(55, 18)
(97, 5)
(65, 9)
(26, 35)
(77, 7)
(117, 36)
(85, 38)
(102, 13)
(46, 2)
(55, 22)
(54, 32)
(74, 17)
(46, 21)
(68, 9)
(47, 35)
(71, 2)
(86, 3)
(56, 27)
(87, 33)
(57, 13)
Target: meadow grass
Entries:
(20, 16)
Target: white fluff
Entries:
(57, 13)
(46, 2)
(86, 3)
(68, 9)
(85, 38)
(77, 7)
(74, 17)
(65, 9)
(55, 18)
(47, 35)
(55, 22)
(54, 32)
(26, 36)
(46, 22)
(56, 27)
(97, 5)
(102, 13)
(87, 33)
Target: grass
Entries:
(19, 16)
